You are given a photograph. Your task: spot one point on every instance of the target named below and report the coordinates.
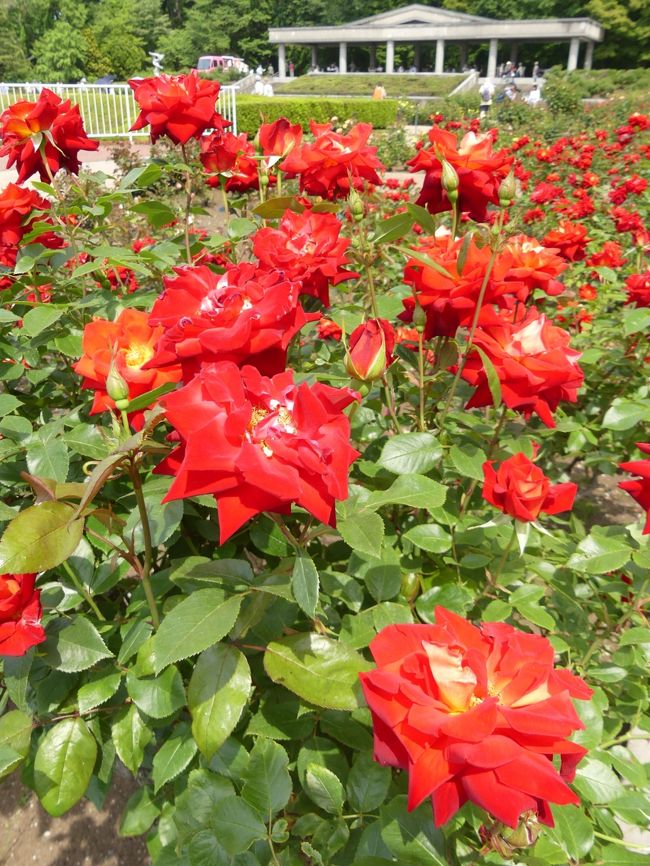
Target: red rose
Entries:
(20, 208)
(178, 106)
(333, 163)
(43, 136)
(639, 488)
(532, 266)
(480, 172)
(570, 239)
(370, 350)
(536, 368)
(610, 256)
(475, 714)
(20, 614)
(638, 289)
(279, 138)
(307, 247)
(220, 149)
(123, 346)
(246, 315)
(328, 330)
(259, 444)
(519, 488)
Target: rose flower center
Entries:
(138, 354)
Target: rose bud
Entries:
(449, 181)
(117, 387)
(370, 350)
(507, 190)
(355, 203)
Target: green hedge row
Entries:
(253, 110)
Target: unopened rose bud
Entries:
(117, 387)
(449, 181)
(355, 203)
(370, 350)
(410, 586)
(507, 190)
(503, 839)
(264, 180)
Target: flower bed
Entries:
(294, 487)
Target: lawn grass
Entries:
(363, 84)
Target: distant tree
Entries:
(151, 24)
(114, 26)
(14, 64)
(61, 54)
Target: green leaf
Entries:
(63, 765)
(411, 836)
(101, 687)
(195, 624)
(393, 228)
(8, 403)
(597, 782)
(304, 583)
(625, 414)
(407, 453)
(236, 824)
(85, 439)
(157, 212)
(615, 855)
(139, 813)
(468, 460)
(496, 611)
(40, 537)
(173, 756)
(49, 459)
(15, 737)
(426, 260)
(573, 830)
(159, 696)
(635, 320)
(416, 491)
(274, 208)
(267, 783)
(137, 634)
(368, 784)
(16, 677)
(493, 381)
(40, 318)
(318, 669)
(429, 537)
(150, 397)
(74, 647)
(130, 736)
(362, 532)
(217, 694)
(598, 554)
(324, 788)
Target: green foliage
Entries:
(396, 86)
(252, 110)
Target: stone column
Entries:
(314, 56)
(574, 51)
(343, 57)
(462, 48)
(372, 61)
(514, 49)
(492, 59)
(390, 56)
(440, 56)
(589, 55)
(416, 56)
(282, 61)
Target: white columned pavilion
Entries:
(416, 25)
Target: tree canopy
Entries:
(63, 40)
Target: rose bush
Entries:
(321, 501)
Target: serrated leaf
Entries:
(63, 765)
(368, 784)
(16, 671)
(74, 647)
(318, 669)
(599, 554)
(324, 788)
(236, 824)
(304, 583)
(39, 318)
(195, 624)
(216, 696)
(468, 460)
(411, 836)
(40, 537)
(173, 756)
(493, 381)
(409, 453)
(159, 696)
(362, 532)
(267, 783)
(596, 782)
(130, 735)
(139, 813)
(430, 537)
(101, 687)
(415, 491)
(573, 830)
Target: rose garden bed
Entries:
(291, 523)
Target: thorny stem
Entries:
(488, 455)
(421, 422)
(188, 204)
(502, 561)
(389, 391)
(148, 549)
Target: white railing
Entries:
(108, 110)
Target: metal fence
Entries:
(108, 110)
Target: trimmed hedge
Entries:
(363, 84)
(253, 110)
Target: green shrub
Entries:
(361, 84)
(252, 110)
(562, 96)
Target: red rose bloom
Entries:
(20, 614)
(178, 106)
(370, 350)
(307, 247)
(259, 444)
(639, 488)
(480, 172)
(333, 163)
(279, 137)
(526, 262)
(638, 289)
(220, 149)
(329, 330)
(20, 208)
(475, 714)
(570, 239)
(519, 488)
(610, 256)
(536, 368)
(43, 136)
(124, 345)
(246, 315)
